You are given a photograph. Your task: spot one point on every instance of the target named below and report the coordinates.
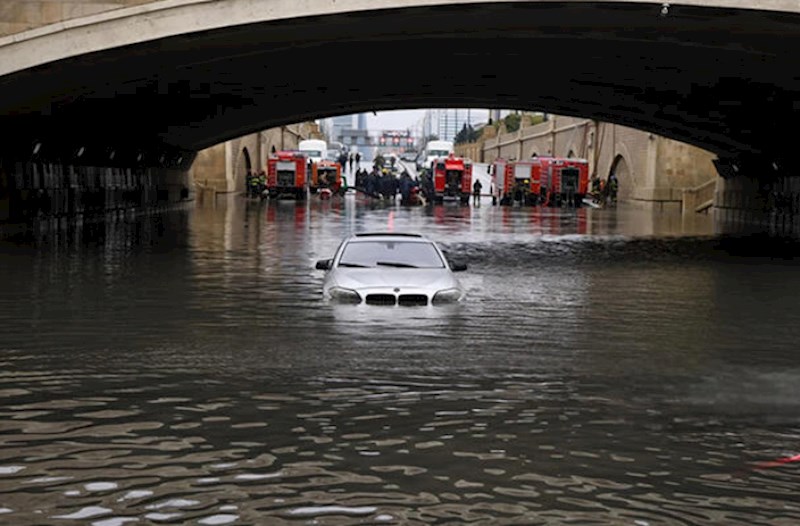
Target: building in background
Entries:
(351, 131)
(334, 127)
(361, 121)
(447, 122)
(358, 141)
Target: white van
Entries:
(436, 149)
(313, 149)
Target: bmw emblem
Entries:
(397, 290)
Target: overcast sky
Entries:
(405, 119)
(394, 120)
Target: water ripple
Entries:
(603, 370)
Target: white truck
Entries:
(313, 149)
(435, 149)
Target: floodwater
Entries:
(607, 367)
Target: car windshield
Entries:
(401, 254)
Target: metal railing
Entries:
(700, 198)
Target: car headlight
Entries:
(344, 295)
(447, 296)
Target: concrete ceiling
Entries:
(722, 79)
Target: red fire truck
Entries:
(565, 181)
(549, 181)
(452, 179)
(286, 175)
(325, 174)
(519, 181)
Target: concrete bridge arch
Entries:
(628, 62)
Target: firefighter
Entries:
(405, 188)
(247, 181)
(613, 186)
(518, 193)
(371, 183)
(252, 188)
(262, 182)
(387, 189)
(476, 192)
(426, 184)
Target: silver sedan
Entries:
(391, 269)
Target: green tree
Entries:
(512, 121)
(463, 135)
(467, 134)
(475, 135)
(537, 118)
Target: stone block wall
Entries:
(684, 165)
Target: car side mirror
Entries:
(458, 267)
(324, 264)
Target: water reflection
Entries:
(607, 367)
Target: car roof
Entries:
(406, 236)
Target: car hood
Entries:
(359, 278)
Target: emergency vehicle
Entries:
(435, 149)
(314, 149)
(564, 181)
(548, 181)
(325, 175)
(452, 178)
(287, 175)
(518, 181)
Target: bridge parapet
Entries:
(18, 16)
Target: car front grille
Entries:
(390, 299)
(413, 299)
(381, 299)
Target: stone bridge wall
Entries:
(652, 170)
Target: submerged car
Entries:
(391, 269)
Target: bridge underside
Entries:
(723, 80)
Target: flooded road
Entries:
(607, 367)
